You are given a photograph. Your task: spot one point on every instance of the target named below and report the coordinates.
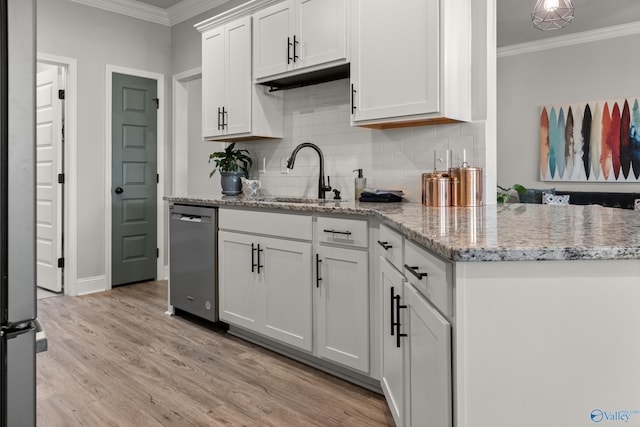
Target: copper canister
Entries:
(438, 189)
(471, 186)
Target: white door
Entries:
(239, 292)
(343, 306)
(213, 52)
(392, 354)
(286, 274)
(427, 363)
(273, 40)
(322, 31)
(395, 58)
(238, 77)
(48, 191)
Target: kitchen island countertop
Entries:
(509, 232)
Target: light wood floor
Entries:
(115, 359)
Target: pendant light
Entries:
(552, 14)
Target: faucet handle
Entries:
(328, 186)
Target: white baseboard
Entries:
(91, 285)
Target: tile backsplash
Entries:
(393, 158)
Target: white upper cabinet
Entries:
(410, 62)
(299, 36)
(232, 106)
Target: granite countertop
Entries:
(510, 232)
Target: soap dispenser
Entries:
(360, 183)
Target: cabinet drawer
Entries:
(430, 275)
(268, 223)
(352, 232)
(390, 246)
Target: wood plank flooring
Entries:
(115, 359)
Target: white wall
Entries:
(601, 70)
(95, 38)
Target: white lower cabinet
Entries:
(342, 301)
(392, 349)
(265, 286)
(427, 363)
(416, 342)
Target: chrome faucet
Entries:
(322, 188)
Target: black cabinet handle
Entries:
(289, 44)
(259, 265)
(415, 272)
(118, 190)
(225, 115)
(385, 245)
(398, 307)
(353, 99)
(392, 311)
(253, 258)
(347, 233)
(295, 43)
(219, 112)
(318, 278)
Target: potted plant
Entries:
(233, 165)
(505, 194)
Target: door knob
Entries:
(119, 190)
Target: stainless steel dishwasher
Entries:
(193, 261)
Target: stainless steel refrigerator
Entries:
(17, 213)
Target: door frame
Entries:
(70, 202)
(180, 158)
(160, 145)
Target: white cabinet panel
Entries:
(392, 284)
(322, 29)
(288, 291)
(427, 363)
(343, 306)
(239, 287)
(213, 48)
(406, 66)
(273, 40)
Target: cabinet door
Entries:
(286, 276)
(427, 363)
(321, 30)
(392, 355)
(271, 31)
(343, 306)
(239, 290)
(395, 58)
(213, 75)
(238, 77)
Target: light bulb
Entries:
(551, 5)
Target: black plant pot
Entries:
(231, 183)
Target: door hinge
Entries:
(157, 101)
(61, 94)
(60, 262)
(60, 178)
(157, 252)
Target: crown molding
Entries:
(176, 14)
(570, 39)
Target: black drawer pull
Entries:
(253, 258)
(346, 233)
(398, 307)
(415, 272)
(385, 245)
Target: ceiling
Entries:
(514, 19)
(514, 16)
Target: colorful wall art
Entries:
(593, 141)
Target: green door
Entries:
(133, 191)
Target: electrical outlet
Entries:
(283, 165)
